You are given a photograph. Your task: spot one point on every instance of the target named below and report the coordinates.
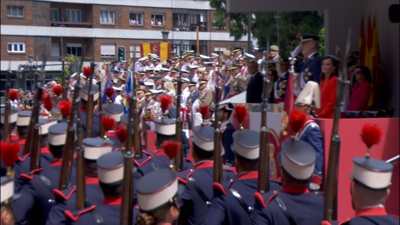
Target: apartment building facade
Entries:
(32, 30)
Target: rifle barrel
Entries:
(80, 170)
(179, 126)
(217, 139)
(7, 111)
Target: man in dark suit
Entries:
(255, 85)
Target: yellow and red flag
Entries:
(369, 45)
(362, 43)
(146, 49)
(164, 51)
(376, 66)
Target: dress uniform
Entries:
(114, 111)
(110, 169)
(22, 166)
(233, 201)
(83, 93)
(193, 96)
(311, 132)
(206, 95)
(238, 84)
(310, 70)
(291, 203)
(371, 182)
(158, 191)
(66, 199)
(37, 196)
(199, 181)
(279, 91)
(227, 131)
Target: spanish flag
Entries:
(146, 49)
(369, 45)
(376, 67)
(164, 51)
(361, 43)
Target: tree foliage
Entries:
(264, 26)
(69, 66)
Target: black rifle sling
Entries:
(282, 205)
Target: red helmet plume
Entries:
(171, 148)
(166, 102)
(204, 109)
(108, 123)
(109, 91)
(48, 103)
(13, 94)
(241, 113)
(87, 71)
(57, 90)
(9, 152)
(65, 107)
(121, 133)
(371, 135)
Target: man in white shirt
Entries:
(157, 64)
(117, 95)
(165, 73)
(193, 73)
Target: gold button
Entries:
(232, 180)
(191, 170)
(275, 192)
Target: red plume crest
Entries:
(57, 90)
(65, 107)
(204, 109)
(128, 98)
(121, 133)
(108, 123)
(241, 113)
(86, 71)
(165, 102)
(9, 152)
(48, 103)
(171, 148)
(13, 95)
(297, 120)
(371, 135)
(109, 91)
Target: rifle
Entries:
(134, 113)
(90, 103)
(7, 111)
(330, 204)
(70, 138)
(101, 112)
(33, 134)
(80, 169)
(264, 157)
(179, 125)
(393, 160)
(217, 139)
(64, 93)
(127, 204)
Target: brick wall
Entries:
(41, 13)
(86, 11)
(26, 20)
(29, 48)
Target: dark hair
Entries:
(335, 72)
(114, 189)
(247, 164)
(43, 141)
(202, 154)
(56, 151)
(163, 138)
(366, 72)
(274, 74)
(293, 181)
(22, 132)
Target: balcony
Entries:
(71, 15)
(202, 27)
(188, 20)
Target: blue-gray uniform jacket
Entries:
(37, 196)
(95, 124)
(227, 208)
(310, 69)
(370, 216)
(227, 131)
(109, 212)
(195, 200)
(303, 206)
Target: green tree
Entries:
(322, 41)
(69, 67)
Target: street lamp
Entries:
(165, 34)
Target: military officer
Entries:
(195, 200)
(66, 199)
(206, 94)
(22, 166)
(310, 70)
(238, 84)
(83, 93)
(293, 202)
(227, 130)
(142, 99)
(36, 194)
(311, 133)
(114, 111)
(158, 193)
(369, 192)
(193, 73)
(193, 96)
(279, 90)
(233, 201)
(110, 168)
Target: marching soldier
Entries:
(233, 200)
(66, 199)
(37, 192)
(311, 133)
(293, 202)
(83, 93)
(370, 190)
(198, 181)
(206, 94)
(114, 111)
(279, 91)
(238, 84)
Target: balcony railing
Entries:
(71, 24)
(202, 28)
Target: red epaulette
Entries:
(218, 187)
(145, 161)
(30, 177)
(60, 194)
(232, 169)
(75, 216)
(259, 198)
(189, 173)
(189, 160)
(24, 157)
(14, 137)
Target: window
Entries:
(16, 47)
(15, 11)
(158, 19)
(135, 51)
(189, 22)
(135, 19)
(107, 17)
(55, 49)
(219, 50)
(74, 49)
(55, 14)
(74, 15)
(107, 50)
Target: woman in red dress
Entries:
(328, 87)
(361, 91)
